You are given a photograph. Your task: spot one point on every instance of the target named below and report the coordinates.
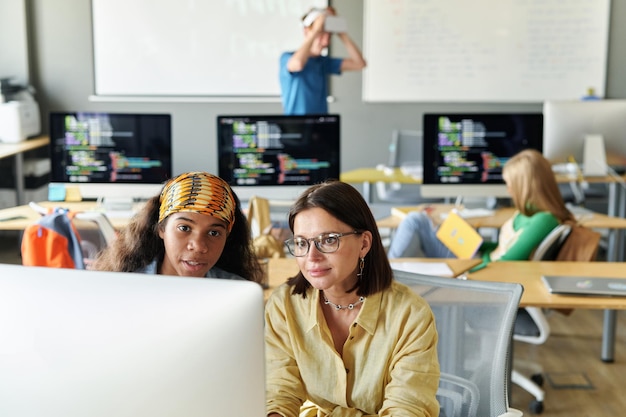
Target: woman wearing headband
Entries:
(193, 228)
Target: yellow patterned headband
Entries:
(198, 192)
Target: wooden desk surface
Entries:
(280, 269)
(374, 174)
(378, 175)
(17, 218)
(396, 175)
(10, 149)
(528, 273)
(398, 213)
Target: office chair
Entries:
(531, 325)
(475, 324)
(405, 152)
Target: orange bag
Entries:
(53, 241)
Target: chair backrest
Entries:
(475, 323)
(259, 215)
(550, 246)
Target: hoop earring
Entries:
(361, 266)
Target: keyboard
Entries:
(468, 213)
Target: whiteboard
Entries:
(194, 47)
(484, 50)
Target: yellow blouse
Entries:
(389, 365)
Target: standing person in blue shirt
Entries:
(304, 73)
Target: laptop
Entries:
(459, 236)
(564, 284)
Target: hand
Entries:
(318, 24)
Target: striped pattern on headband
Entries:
(198, 192)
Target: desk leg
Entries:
(615, 252)
(19, 179)
(621, 212)
(608, 336)
(367, 191)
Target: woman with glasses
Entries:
(342, 337)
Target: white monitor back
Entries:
(405, 148)
(81, 343)
(568, 123)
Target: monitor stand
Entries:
(112, 204)
(489, 203)
(594, 157)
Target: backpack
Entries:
(53, 241)
(581, 245)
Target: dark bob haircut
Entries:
(346, 204)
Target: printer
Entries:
(19, 115)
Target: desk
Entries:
(21, 216)
(535, 294)
(367, 176)
(282, 268)
(17, 151)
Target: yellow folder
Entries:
(459, 236)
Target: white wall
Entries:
(13, 41)
(63, 72)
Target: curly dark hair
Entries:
(139, 243)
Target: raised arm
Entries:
(300, 57)
(355, 60)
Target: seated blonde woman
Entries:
(540, 208)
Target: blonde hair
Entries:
(533, 186)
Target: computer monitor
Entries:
(81, 343)
(277, 156)
(109, 154)
(567, 124)
(464, 153)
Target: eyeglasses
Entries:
(325, 243)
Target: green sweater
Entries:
(531, 230)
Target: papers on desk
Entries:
(425, 268)
(413, 170)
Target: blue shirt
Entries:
(305, 92)
(214, 272)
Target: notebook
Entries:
(563, 284)
(459, 236)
